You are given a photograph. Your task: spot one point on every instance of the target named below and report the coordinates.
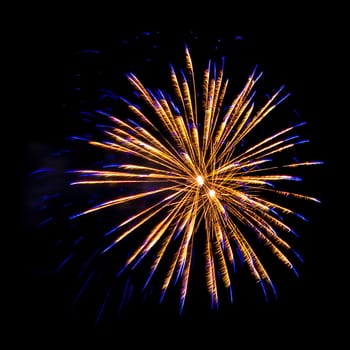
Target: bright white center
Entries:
(212, 193)
(200, 180)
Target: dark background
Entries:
(299, 49)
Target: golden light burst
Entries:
(189, 156)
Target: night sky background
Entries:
(65, 50)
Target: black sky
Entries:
(299, 51)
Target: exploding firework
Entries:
(186, 157)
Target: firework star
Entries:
(188, 160)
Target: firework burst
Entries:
(190, 164)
